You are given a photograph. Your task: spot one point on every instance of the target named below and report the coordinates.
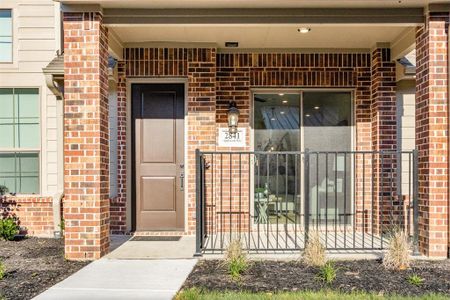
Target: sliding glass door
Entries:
(287, 123)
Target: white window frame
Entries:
(12, 37)
(38, 149)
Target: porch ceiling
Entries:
(259, 36)
(254, 3)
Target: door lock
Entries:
(182, 181)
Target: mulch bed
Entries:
(358, 275)
(32, 266)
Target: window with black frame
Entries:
(285, 125)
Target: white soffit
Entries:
(261, 36)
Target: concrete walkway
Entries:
(145, 273)
(123, 279)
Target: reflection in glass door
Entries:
(284, 123)
(276, 132)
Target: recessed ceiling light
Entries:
(282, 112)
(316, 107)
(285, 101)
(272, 119)
(307, 115)
(281, 95)
(304, 29)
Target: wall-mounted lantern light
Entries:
(233, 117)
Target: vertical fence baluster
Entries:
(213, 202)
(286, 201)
(222, 230)
(381, 196)
(355, 216)
(345, 200)
(276, 199)
(363, 200)
(326, 200)
(373, 199)
(267, 200)
(198, 217)
(416, 201)
(230, 213)
(317, 192)
(295, 199)
(249, 198)
(335, 200)
(307, 196)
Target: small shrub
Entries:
(415, 280)
(397, 255)
(2, 271)
(327, 273)
(236, 260)
(314, 254)
(62, 225)
(3, 190)
(8, 228)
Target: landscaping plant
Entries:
(314, 254)
(8, 228)
(415, 280)
(236, 260)
(397, 256)
(3, 190)
(2, 271)
(328, 272)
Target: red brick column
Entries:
(383, 210)
(86, 161)
(118, 205)
(432, 133)
(201, 119)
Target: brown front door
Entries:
(158, 123)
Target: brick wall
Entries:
(35, 214)
(86, 152)
(199, 67)
(118, 204)
(384, 138)
(432, 133)
(215, 80)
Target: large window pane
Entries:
(276, 122)
(19, 131)
(19, 121)
(5, 35)
(327, 120)
(19, 172)
(276, 128)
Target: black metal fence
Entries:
(270, 201)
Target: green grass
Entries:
(195, 294)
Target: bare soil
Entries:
(358, 275)
(32, 266)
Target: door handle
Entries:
(182, 181)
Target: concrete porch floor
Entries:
(123, 247)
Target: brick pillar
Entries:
(432, 133)
(201, 120)
(118, 205)
(385, 211)
(86, 161)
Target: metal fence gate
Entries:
(270, 201)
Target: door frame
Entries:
(130, 161)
